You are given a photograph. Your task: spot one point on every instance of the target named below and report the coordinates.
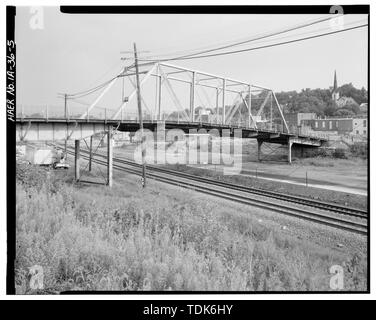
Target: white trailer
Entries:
(43, 157)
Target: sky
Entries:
(73, 52)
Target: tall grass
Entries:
(94, 238)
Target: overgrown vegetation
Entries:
(359, 150)
(94, 238)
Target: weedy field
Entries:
(89, 237)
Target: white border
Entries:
(180, 296)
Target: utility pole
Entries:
(66, 119)
(140, 118)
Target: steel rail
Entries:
(349, 211)
(336, 222)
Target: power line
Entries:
(260, 37)
(94, 89)
(196, 56)
(306, 33)
(260, 47)
(89, 91)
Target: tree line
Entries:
(320, 101)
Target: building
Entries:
(364, 108)
(345, 101)
(295, 120)
(342, 126)
(360, 126)
(204, 115)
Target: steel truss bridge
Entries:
(173, 97)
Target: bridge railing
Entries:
(51, 112)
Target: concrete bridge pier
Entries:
(289, 147)
(259, 144)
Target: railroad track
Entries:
(354, 212)
(240, 194)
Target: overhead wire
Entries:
(260, 47)
(94, 89)
(263, 36)
(199, 55)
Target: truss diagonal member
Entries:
(70, 134)
(134, 92)
(233, 110)
(173, 94)
(142, 99)
(23, 136)
(108, 87)
(281, 113)
(249, 113)
(264, 103)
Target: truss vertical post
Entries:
(271, 114)
(159, 96)
(77, 160)
(249, 105)
(224, 102)
(217, 105)
(259, 144)
(109, 156)
(90, 152)
(281, 112)
(192, 100)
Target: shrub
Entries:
(339, 153)
(90, 238)
(359, 150)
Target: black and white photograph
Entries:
(193, 149)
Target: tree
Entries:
(348, 90)
(330, 109)
(343, 112)
(354, 108)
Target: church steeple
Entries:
(335, 87)
(335, 93)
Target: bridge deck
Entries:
(60, 128)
